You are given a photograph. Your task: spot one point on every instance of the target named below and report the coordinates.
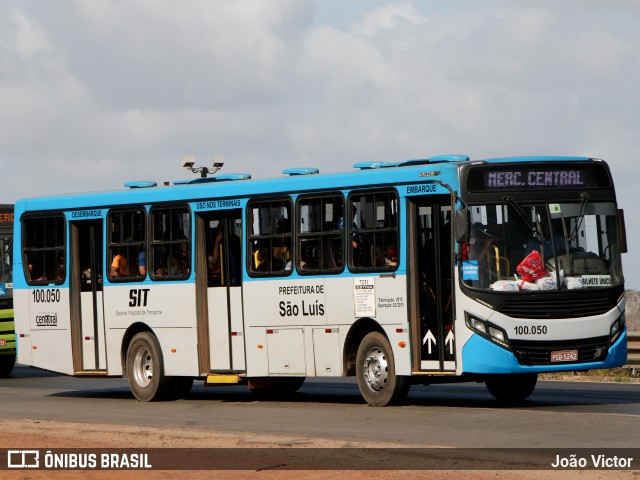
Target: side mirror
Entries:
(461, 226)
(622, 231)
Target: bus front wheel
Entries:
(376, 372)
(512, 388)
(145, 369)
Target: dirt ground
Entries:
(26, 434)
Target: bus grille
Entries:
(557, 308)
(539, 353)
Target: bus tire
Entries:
(375, 370)
(145, 369)
(6, 365)
(512, 388)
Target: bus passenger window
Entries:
(270, 237)
(374, 231)
(126, 248)
(170, 243)
(320, 233)
(44, 244)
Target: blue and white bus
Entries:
(417, 272)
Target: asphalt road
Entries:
(557, 415)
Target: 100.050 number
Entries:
(530, 330)
(46, 295)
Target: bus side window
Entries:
(126, 251)
(44, 244)
(270, 237)
(374, 230)
(170, 243)
(320, 233)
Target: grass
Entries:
(629, 374)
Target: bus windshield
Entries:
(542, 246)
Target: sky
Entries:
(97, 93)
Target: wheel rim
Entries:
(376, 369)
(143, 367)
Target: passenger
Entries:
(261, 258)
(481, 243)
(86, 275)
(178, 262)
(142, 263)
(234, 257)
(391, 255)
(36, 273)
(546, 246)
(215, 266)
(119, 265)
(59, 273)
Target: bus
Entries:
(7, 333)
(425, 271)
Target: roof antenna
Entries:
(189, 161)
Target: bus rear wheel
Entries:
(145, 369)
(512, 388)
(375, 370)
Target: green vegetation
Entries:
(617, 375)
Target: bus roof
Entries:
(442, 168)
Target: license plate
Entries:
(3, 342)
(564, 356)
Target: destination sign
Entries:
(6, 216)
(545, 178)
(537, 177)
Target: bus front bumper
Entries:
(481, 356)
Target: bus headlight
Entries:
(488, 330)
(616, 329)
(477, 325)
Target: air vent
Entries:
(301, 171)
(374, 165)
(141, 184)
(449, 158)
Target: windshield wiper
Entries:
(534, 227)
(584, 196)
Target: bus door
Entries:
(431, 284)
(85, 282)
(219, 292)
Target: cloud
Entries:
(98, 93)
(163, 55)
